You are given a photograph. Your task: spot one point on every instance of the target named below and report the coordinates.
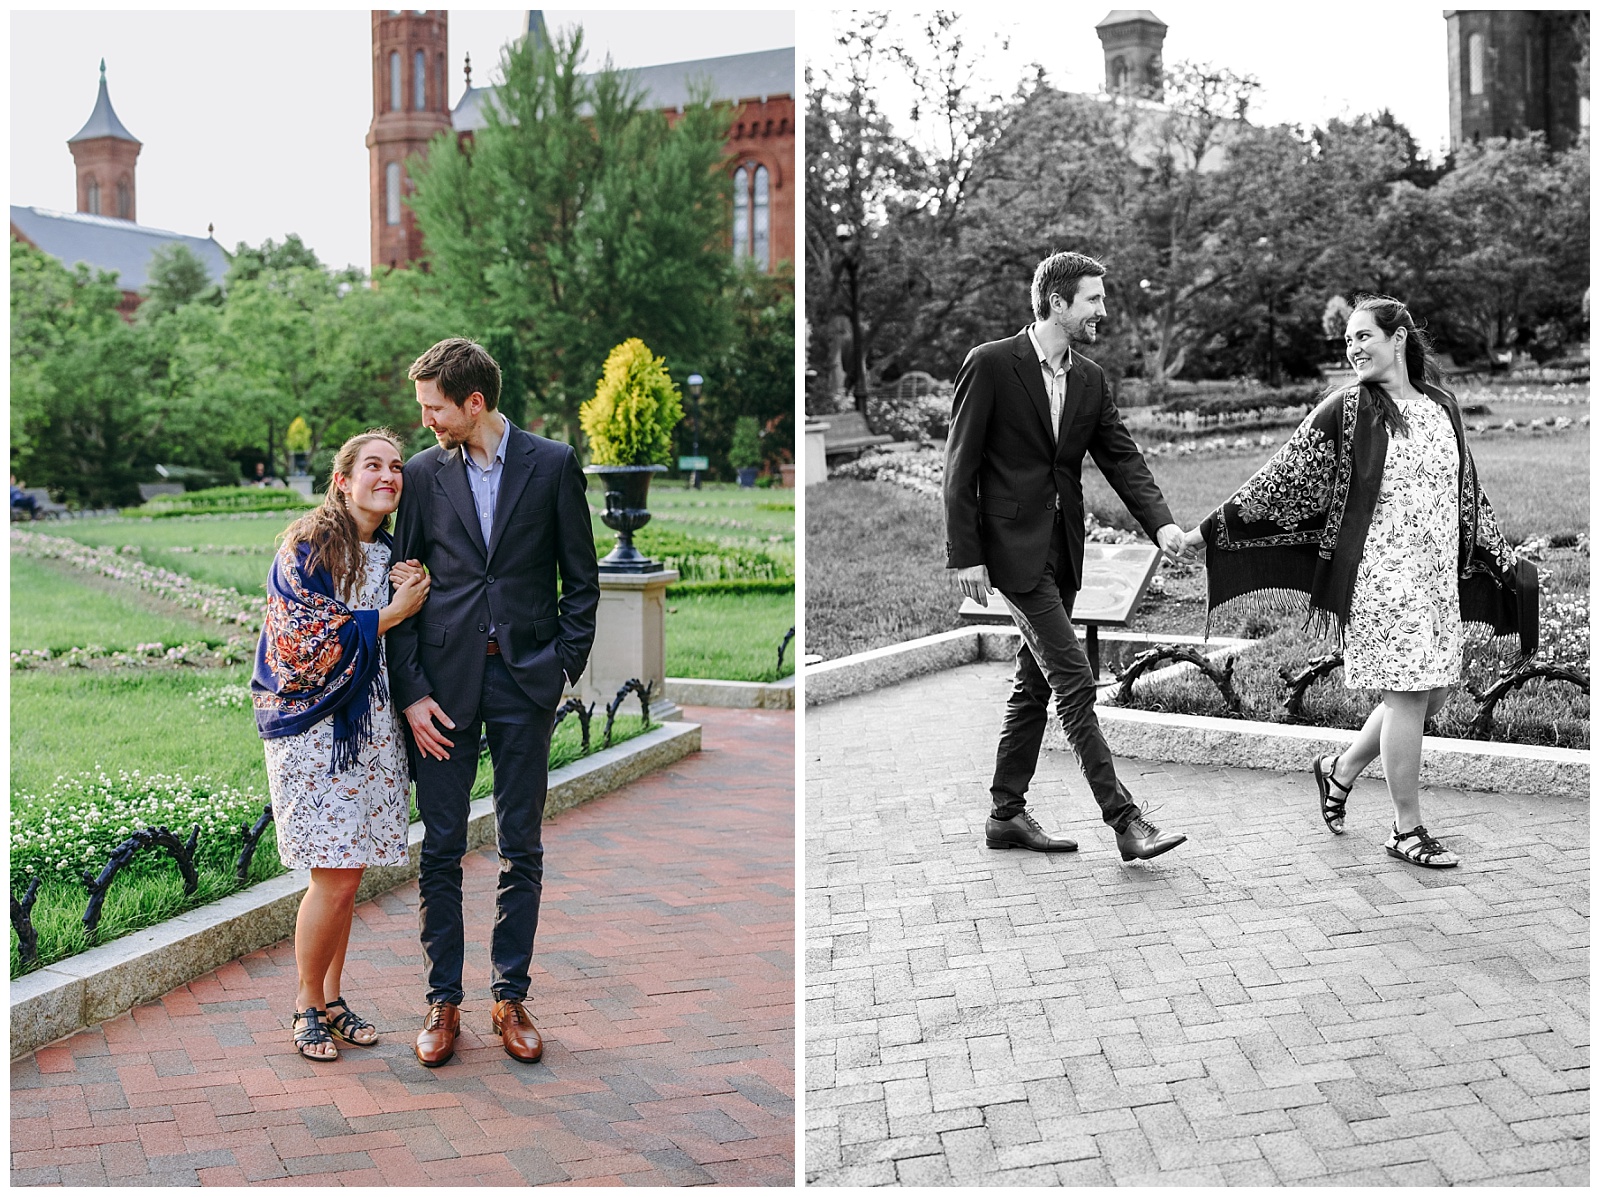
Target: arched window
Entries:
(394, 80)
(1119, 73)
(761, 247)
(419, 83)
(741, 213)
(124, 200)
(94, 197)
(1475, 65)
(391, 192)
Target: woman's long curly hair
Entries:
(1422, 366)
(330, 529)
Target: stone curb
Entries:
(106, 981)
(704, 692)
(1202, 740)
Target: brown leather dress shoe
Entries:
(514, 1025)
(436, 1042)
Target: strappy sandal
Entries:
(313, 1034)
(1422, 849)
(1332, 808)
(348, 1024)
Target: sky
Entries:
(255, 122)
(1313, 61)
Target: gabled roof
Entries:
(106, 243)
(732, 77)
(103, 120)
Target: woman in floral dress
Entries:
(336, 759)
(1372, 509)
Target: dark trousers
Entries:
(519, 746)
(1050, 661)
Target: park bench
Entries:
(848, 434)
(44, 506)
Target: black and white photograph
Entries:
(1196, 597)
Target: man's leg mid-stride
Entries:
(1052, 661)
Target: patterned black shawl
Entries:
(1292, 537)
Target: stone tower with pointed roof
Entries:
(409, 105)
(1132, 39)
(105, 153)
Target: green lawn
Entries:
(54, 606)
(737, 517)
(732, 637)
(68, 721)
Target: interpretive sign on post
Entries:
(1115, 578)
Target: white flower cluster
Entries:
(227, 697)
(213, 550)
(196, 652)
(76, 824)
(214, 602)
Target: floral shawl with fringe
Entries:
(1292, 537)
(317, 657)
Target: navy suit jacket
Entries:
(1004, 472)
(541, 530)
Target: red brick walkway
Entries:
(663, 984)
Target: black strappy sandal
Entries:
(346, 1025)
(1332, 808)
(1423, 849)
(313, 1034)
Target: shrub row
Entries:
(224, 500)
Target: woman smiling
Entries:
(336, 760)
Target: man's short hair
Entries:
(1058, 275)
(460, 366)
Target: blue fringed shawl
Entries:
(316, 658)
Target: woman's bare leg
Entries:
(321, 930)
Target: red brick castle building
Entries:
(410, 105)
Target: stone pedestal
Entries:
(816, 453)
(630, 641)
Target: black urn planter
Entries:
(627, 488)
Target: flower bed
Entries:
(219, 603)
(225, 500)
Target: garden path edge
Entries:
(105, 981)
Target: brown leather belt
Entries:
(494, 647)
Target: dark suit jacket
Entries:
(541, 527)
(1003, 472)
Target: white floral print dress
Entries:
(1404, 631)
(358, 817)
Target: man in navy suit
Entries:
(496, 514)
(1026, 410)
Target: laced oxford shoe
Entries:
(1142, 839)
(1022, 831)
(436, 1042)
(520, 1037)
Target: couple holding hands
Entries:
(1370, 519)
(384, 658)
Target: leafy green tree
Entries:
(753, 375)
(177, 277)
(576, 217)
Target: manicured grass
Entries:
(738, 517)
(1537, 482)
(731, 637)
(56, 607)
(69, 721)
(875, 570)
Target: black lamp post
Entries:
(695, 383)
(847, 242)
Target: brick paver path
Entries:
(663, 984)
(1267, 1004)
